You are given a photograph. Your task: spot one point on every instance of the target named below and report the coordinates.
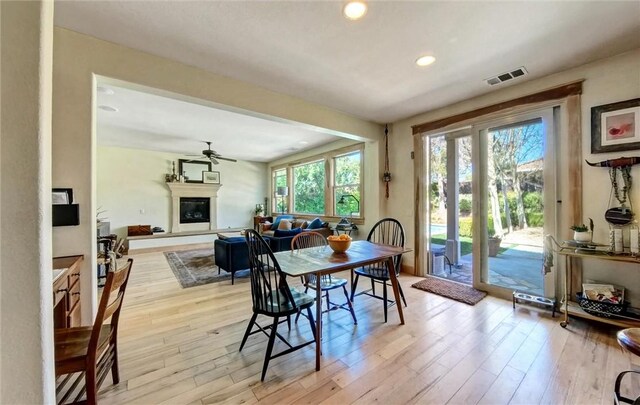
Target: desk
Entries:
(66, 291)
(322, 260)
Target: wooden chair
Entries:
(387, 231)
(272, 297)
(327, 282)
(92, 351)
(629, 339)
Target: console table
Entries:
(66, 291)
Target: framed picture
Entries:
(211, 177)
(192, 170)
(62, 196)
(615, 127)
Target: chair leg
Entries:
(246, 333)
(312, 324)
(289, 321)
(115, 373)
(353, 314)
(91, 386)
(297, 316)
(328, 302)
(354, 284)
(402, 294)
(373, 287)
(384, 299)
(272, 339)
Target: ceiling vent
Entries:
(521, 71)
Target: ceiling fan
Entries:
(212, 155)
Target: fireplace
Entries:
(194, 210)
(194, 207)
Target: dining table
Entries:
(323, 260)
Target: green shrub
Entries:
(465, 226)
(465, 206)
(535, 219)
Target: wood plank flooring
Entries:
(180, 346)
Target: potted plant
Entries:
(582, 233)
(494, 244)
(258, 209)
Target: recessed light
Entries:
(105, 90)
(425, 60)
(354, 10)
(107, 108)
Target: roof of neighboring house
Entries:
(532, 166)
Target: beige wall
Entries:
(606, 81)
(78, 58)
(131, 180)
(26, 334)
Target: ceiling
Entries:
(366, 67)
(144, 120)
(307, 49)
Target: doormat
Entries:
(450, 289)
(198, 267)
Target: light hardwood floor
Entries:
(180, 346)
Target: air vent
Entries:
(521, 71)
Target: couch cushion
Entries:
(236, 239)
(299, 223)
(285, 225)
(284, 233)
(315, 224)
(276, 222)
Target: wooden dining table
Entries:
(322, 260)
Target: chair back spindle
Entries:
(388, 231)
(307, 240)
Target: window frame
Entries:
(329, 188)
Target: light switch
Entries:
(142, 210)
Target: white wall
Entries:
(26, 317)
(606, 81)
(131, 180)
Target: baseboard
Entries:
(173, 248)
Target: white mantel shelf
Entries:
(193, 190)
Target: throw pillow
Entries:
(276, 222)
(285, 225)
(315, 224)
(266, 226)
(282, 233)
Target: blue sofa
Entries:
(232, 254)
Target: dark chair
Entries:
(387, 231)
(272, 297)
(92, 351)
(629, 339)
(231, 255)
(327, 282)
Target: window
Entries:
(279, 203)
(328, 185)
(308, 188)
(347, 196)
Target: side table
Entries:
(259, 219)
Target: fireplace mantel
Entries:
(193, 190)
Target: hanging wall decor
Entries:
(622, 214)
(386, 176)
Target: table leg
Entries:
(318, 320)
(396, 291)
(567, 265)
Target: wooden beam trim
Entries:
(555, 93)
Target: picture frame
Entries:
(210, 177)
(192, 169)
(615, 127)
(61, 196)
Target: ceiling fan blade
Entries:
(200, 155)
(224, 158)
(213, 160)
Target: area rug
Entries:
(451, 289)
(197, 267)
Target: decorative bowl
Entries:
(339, 245)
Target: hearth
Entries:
(194, 210)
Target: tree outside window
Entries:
(279, 180)
(308, 188)
(347, 182)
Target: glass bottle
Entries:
(634, 238)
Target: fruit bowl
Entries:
(339, 244)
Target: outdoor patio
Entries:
(519, 267)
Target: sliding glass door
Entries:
(490, 200)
